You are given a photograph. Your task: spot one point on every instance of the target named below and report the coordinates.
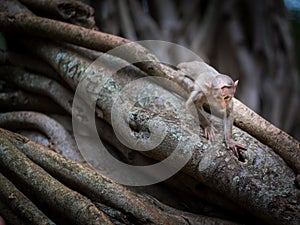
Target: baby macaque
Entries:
(216, 90)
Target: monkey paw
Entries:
(234, 146)
(210, 133)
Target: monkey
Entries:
(215, 90)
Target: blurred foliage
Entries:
(295, 29)
(293, 7)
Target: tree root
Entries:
(9, 215)
(73, 12)
(20, 204)
(38, 84)
(46, 188)
(21, 100)
(94, 185)
(61, 140)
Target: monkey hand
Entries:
(234, 146)
(209, 132)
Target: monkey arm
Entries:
(228, 123)
(231, 144)
(198, 98)
(192, 98)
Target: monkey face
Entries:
(221, 91)
(222, 97)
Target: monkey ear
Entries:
(208, 88)
(235, 85)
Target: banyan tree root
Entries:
(282, 143)
(80, 210)
(38, 84)
(36, 137)
(99, 188)
(11, 99)
(61, 140)
(29, 62)
(8, 216)
(74, 12)
(20, 204)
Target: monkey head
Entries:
(221, 91)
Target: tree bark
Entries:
(100, 188)
(21, 204)
(47, 188)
